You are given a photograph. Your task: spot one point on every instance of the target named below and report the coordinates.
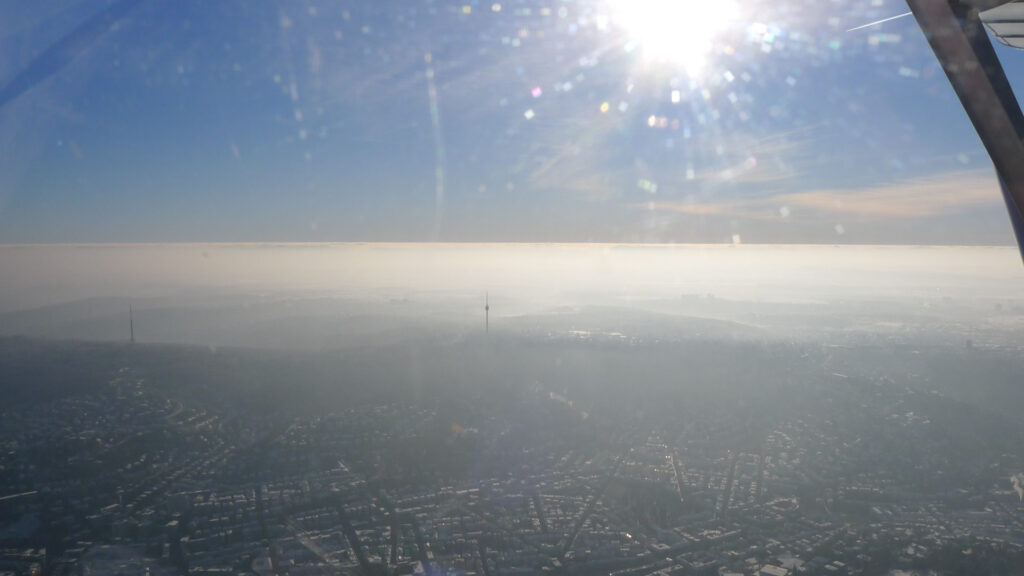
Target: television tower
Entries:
(131, 322)
(487, 312)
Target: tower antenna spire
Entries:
(487, 312)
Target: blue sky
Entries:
(484, 121)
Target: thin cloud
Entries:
(694, 208)
(925, 197)
(572, 156)
(769, 159)
(919, 198)
(752, 171)
(756, 162)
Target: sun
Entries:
(681, 32)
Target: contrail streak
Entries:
(65, 50)
(877, 22)
(439, 152)
(13, 496)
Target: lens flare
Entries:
(682, 32)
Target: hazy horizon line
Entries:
(268, 243)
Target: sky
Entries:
(523, 121)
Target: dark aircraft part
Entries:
(957, 35)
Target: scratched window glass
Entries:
(631, 287)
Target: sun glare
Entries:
(676, 31)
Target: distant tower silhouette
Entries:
(131, 322)
(487, 312)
